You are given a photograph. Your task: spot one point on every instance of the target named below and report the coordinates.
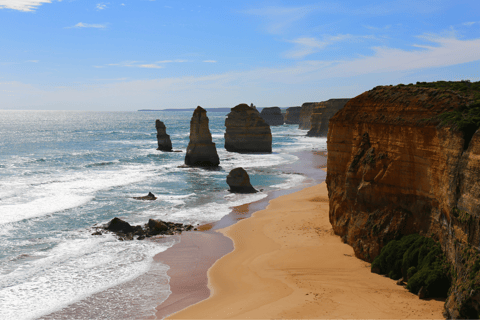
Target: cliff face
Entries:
(273, 116)
(393, 170)
(246, 131)
(321, 114)
(292, 116)
(305, 115)
(201, 150)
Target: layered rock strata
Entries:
(273, 116)
(164, 142)
(239, 181)
(292, 116)
(305, 115)
(201, 151)
(321, 114)
(394, 169)
(246, 131)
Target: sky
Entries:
(152, 54)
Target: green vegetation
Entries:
(418, 259)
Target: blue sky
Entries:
(137, 54)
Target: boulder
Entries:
(149, 196)
(246, 131)
(239, 181)
(292, 116)
(164, 142)
(201, 151)
(273, 116)
(156, 226)
(119, 225)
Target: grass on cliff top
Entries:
(419, 260)
(464, 87)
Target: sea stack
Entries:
(305, 115)
(201, 151)
(292, 116)
(246, 131)
(239, 181)
(164, 142)
(273, 116)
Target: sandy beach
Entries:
(287, 263)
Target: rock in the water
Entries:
(156, 226)
(201, 150)
(119, 225)
(292, 116)
(149, 196)
(321, 114)
(239, 181)
(246, 131)
(273, 116)
(164, 142)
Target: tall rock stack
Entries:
(293, 115)
(321, 114)
(246, 131)
(305, 115)
(273, 116)
(201, 151)
(164, 142)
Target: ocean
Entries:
(64, 172)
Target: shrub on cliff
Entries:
(419, 260)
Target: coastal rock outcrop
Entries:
(292, 116)
(239, 181)
(149, 196)
(201, 151)
(273, 116)
(164, 142)
(321, 114)
(405, 160)
(305, 115)
(125, 231)
(246, 131)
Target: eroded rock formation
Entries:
(164, 142)
(321, 114)
(273, 116)
(246, 131)
(394, 169)
(239, 181)
(305, 115)
(201, 151)
(292, 116)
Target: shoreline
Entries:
(288, 263)
(195, 253)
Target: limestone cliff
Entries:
(246, 131)
(321, 114)
(292, 116)
(305, 115)
(273, 116)
(201, 150)
(163, 139)
(405, 160)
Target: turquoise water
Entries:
(63, 172)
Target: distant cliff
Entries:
(404, 160)
(305, 115)
(321, 114)
(273, 116)
(292, 115)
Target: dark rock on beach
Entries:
(246, 131)
(125, 231)
(164, 142)
(239, 181)
(201, 151)
(149, 196)
(273, 116)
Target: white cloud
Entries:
(306, 46)
(101, 5)
(150, 66)
(88, 25)
(22, 5)
(210, 61)
(470, 23)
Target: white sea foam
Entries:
(71, 271)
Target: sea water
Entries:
(63, 172)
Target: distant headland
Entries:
(190, 109)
